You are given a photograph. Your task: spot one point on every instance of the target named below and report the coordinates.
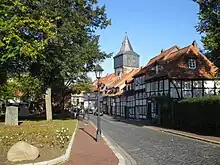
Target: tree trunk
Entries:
(48, 104)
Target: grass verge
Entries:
(50, 137)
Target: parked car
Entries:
(96, 113)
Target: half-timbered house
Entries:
(130, 99)
(105, 84)
(118, 97)
(181, 73)
(140, 95)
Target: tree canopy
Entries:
(24, 87)
(85, 85)
(209, 27)
(76, 46)
(21, 28)
(53, 40)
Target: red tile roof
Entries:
(106, 80)
(160, 56)
(18, 93)
(121, 81)
(130, 81)
(175, 66)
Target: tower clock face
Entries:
(131, 60)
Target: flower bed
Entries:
(50, 137)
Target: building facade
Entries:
(175, 73)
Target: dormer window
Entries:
(192, 63)
(157, 68)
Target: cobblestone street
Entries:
(151, 147)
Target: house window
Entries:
(187, 85)
(153, 86)
(161, 85)
(192, 63)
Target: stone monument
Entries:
(48, 104)
(11, 116)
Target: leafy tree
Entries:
(84, 85)
(53, 40)
(24, 33)
(75, 49)
(6, 92)
(25, 88)
(209, 26)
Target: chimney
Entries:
(161, 51)
(195, 44)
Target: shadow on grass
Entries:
(82, 129)
(40, 117)
(56, 116)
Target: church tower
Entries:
(126, 59)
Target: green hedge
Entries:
(200, 114)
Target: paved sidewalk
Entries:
(86, 151)
(209, 139)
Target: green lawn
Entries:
(50, 137)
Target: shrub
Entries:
(198, 114)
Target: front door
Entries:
(149, 106)
(126, 112)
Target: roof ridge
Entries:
(182, 49)
(161, 54)
(177, 52)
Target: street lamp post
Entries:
(98, 73)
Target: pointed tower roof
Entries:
(126, 47)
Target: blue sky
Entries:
(151, 25)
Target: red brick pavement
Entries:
(86, 151)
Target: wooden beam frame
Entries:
(171, 81)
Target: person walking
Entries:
(83, 113)
(75, 113)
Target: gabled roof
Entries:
(121, 80)
(174, 65)
(126, 47)
(106, 80)
(162, 55)
(130, 81)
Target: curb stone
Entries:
(185, 135)
(123, 157)
(60, 159)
